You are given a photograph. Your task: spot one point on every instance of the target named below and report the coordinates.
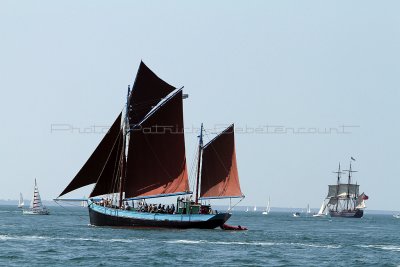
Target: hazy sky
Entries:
(294, 69)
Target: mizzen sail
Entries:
(219, 173)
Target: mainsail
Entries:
(21, 201)
(322, 209)
(219, 174)
(102, 166)
(156, 162)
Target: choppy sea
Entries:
(65, 238)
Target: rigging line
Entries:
(79, 216)
(108, 157)
(157, 107)
(241, 199)
(142, 105)
(193, 169)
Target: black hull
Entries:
(347, 213)
(101, 219)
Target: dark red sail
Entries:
(219, 174)
(156, 162)
(109, 178)
(90, 172)
(148, 90)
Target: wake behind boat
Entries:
(36, 207)
(143, 156)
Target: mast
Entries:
(199, 162)
(350, 171)
(126, 127)
(348, 187)
(337, 187)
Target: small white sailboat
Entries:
(308, 209)
(296, 214)
(321, 212)
(36, 207)
(247, 209)
(268, 208)
(397, 216)
(84, 202)
(21, 201)
(255, 208)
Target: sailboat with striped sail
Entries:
(143, 156)
(36, 207)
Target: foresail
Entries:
(91, 171)
(219, 174)
(156, 163)
(108, 181)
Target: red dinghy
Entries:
(233, 228)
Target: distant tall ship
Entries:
(344, 198)
(36, 207)
(143, 156)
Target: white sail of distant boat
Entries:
(247, 209)
(36, 207)
(323, 211)
(268, 208)
(308, 209)
(84, 202)
(255, 208)
(21, 201)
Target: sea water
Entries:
(65, 238)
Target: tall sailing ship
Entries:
(143, 156)
(344, 199)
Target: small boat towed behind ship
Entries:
(143, 156)
(344, 198)
(36, 207)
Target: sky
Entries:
(308, 84)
